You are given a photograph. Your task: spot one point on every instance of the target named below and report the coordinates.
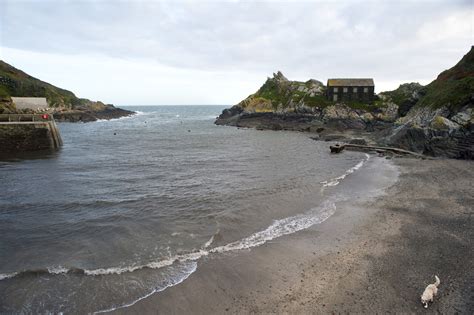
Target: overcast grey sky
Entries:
(218, 52)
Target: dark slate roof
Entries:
(350, 82)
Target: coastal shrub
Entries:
(403, 93)
(4, 92)
(15, 82)
(452, 88)
(451, 93)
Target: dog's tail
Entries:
(437, 282)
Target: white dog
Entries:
(429, 293)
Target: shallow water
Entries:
(129, 207)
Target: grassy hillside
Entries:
(452, 88)
(14, 82)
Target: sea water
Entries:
(129, 207)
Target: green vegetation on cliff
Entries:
(280, 94)
(452, 88)
(404, 92)
(14, 82)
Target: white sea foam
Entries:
(7, 275)
(57, 270)
(136, 113)
(171, 283)
(337, 180)
(211, 240)
(279, 228)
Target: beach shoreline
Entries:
(371, 256)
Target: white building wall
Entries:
(34, 103)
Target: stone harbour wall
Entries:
(29, 136)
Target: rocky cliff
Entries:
(436, 119)
(64, 105)
(302, 106)
(441, 122)
(280, 95)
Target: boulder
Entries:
(367, 117)
(390, 112)
(230, 112)
(464, 118)
(408, 137)
(443, 123)
(337, 148)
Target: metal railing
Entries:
(26, 117)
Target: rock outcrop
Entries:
(441, 123)
(436, 119)
(405, 96)
(280, 95)
(90, 113)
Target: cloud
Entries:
(134, 81)
(390, 41)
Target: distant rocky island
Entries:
(436, 119)
(63, 104)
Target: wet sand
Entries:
(370, 257)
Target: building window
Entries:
(354, 90)
(366, 90)
(335, 90)
(344, 90)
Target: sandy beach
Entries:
(370, 257)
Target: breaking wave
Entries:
(337, 180)
(171, 282)
(278, 228)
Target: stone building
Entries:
(34, 103)
(358, 90)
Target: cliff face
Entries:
(64, 104)
(441, 123)
(436, 119)
(453, 88)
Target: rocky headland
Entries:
(63, 104)
(436, 119)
